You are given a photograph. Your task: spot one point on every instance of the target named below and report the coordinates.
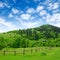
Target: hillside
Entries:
(45, 35)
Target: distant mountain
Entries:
(45, 35)
(50, 28)
(41, 28)
(47, 31)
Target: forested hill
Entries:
(45, 35)
(44, 31)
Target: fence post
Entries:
(4, 52)
(36, 50)
(39, 49)
(23, 51)
(15, 53)
(31, 50)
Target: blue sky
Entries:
(23, 14)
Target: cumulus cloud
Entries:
(46, 2)
(29, 24)
(10, 15)
(36, 1)
(7, 24)
(30, 10)
(39, 8)
(56, 5)
(53, 19)
(7, 5)
(1, 5)
(2, 31)
(15, 11)
(43, 12)
(53, 6)
(4, 4)
(25, 16)
(14, 1)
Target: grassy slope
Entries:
(51, 54)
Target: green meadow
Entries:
(42, 53)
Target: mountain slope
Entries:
(43, 30)
(45, 35)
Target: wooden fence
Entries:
(23, 51)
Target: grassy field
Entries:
(39, 53)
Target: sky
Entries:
(23, 14)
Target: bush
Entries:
(43, 53)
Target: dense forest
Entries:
(45, 35)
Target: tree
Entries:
(2, 43)
(17, 42)
(25, 43)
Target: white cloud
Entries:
(56, 11)
(1, 5)
(48, 16)
(46, 2)
(4, 4)
(3, 28)
(25, 16)
(54, 19)
(36, 1)
(39, 8)
(24, 25)
(15, 11)
(14, 1)
(2, 31)
(10, 15)
(7, 5)
(53, 6)
(30, 10)
(9, 25)
(32, 18)
(30, 24)
(43, 12)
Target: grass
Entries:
(42, 54)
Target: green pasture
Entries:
(38, 53)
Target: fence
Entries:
(23, 51)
